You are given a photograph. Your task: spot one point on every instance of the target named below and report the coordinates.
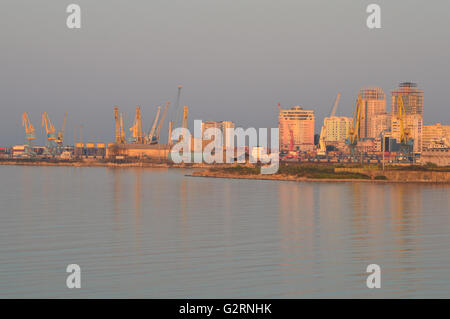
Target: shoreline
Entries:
(214, 171)
(290, 178)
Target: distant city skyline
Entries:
(234, 60)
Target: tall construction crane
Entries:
(29, 132)
(400, 114)
(406, 142)
(354, 130)
(50, 132)
(120, 134)
(322, 147)
(136, 129)
(336, 103)
(60, 135)
(151, 134)
(161, 122)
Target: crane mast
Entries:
(136, 129)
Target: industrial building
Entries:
(296, 129)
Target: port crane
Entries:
(161, 122)
(405, 135)
(50, 131)
(322, 147)
(60, 135)
(357, 117)
(120, 134)
(151, 134)
(29, 133)
(136, 129)
(185, 116)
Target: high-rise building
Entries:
(373, 104)
(296, 125)
(435, 136)
(337, 128)
(412, 98)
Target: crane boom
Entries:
(48, 126)
(152, 131)
(354, 131)
(29, 128)
(336, 102)
(161, 122)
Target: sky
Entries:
(235, 60)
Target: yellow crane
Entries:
(400, 115)
(185, 116)
(120, 134)
(136, 129)
(60, 135)
(152, 130)
(161, 122)
(49, 130)
(29, 128)
(357, 117)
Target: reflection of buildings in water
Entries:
(117, 194)
(296, 217)
(406, 205)
(384, 219)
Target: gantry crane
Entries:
(29, 133)
(136, 129)
(120, 134)
(151, 134)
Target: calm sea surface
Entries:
(157, 233)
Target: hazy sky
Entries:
(235, 59)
